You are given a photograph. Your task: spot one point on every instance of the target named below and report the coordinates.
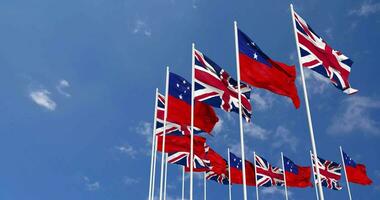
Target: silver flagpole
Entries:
(166, 175)
(152, 159)
(183, 183)
(229, 175)
(283, 168)
(240, 111)
(315, 182)
(314, 147)
(204, 186)
(164, 133)
(345, 173)
(257, 186)
(154, 168)
(192, 122)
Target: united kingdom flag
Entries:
(214, 86)
(330, 173)
(317, 55)
(200, 164)
(266, 174)
(171, 128)
(221, 178)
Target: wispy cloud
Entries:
(130, 180)
(141, 27)
(127, 149)
(255, 131)
(145, 129)
(355, 114)
(41, 97)
(283, 137)
(262, 100)
(91, 186)
(218, 126)
(366, 8)
(63, 84)
(316, 82)
(274, 191)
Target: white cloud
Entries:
(255, 131)
(61, 86)
(145, 129)
(41, 98)
(262, 100)
(218, 126)
(127, 149)
(274, 191)
(315, 82)
(355, 114)
(130, 181)
(283, 137)
(91, 186)
(141, 27)
(366, 8)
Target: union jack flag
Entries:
(220, 178)
(183, 158)
(317, 55)
(266, 174)
(171, 128)
(214, 86)
(330, 173)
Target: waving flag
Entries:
(171, 128)
(179, 106)
(266, 174)
(215, 87)
(218, 168)
(175, 144)
(330, 173)
(258, 70)
(356, 173)
(296, 176)
(200, 164)
(317, 55)
(236, 168)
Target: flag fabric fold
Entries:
(296, 176)
(218, 168)
(214, 86)
(268, 175)
(236, 172)
(179, 106)
(258, 70)
(330, 173)
(356, 173)
(318, 56)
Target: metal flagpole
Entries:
(153, 148)
(254, 164)
(192, 122)
(315, 182)
(204, 186)
(345, 173)
(240, 111)
(166, 175)
(164, 133)
(183, 183)
(154, 167)
(229, 175)
(283, 168)
(314, 148)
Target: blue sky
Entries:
(78, 80)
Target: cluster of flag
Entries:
(188, 109)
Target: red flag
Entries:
(237, 173)
(258, 70)
(356, 173)
(296, 176)
(181, 143)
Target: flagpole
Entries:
(345, 173)
(166, 175)
(315, 182)
(204, 186)
(164, 133)
(154, 168)
(283, 168)
(240, 112)
(192, 122)
(183, 183)
(153, 148)
(314, 148)
(229, 176)
(257, 186)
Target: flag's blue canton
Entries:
(348, 161)
(290, 166)
(235, 161)
(179, 88)
(249, 48)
